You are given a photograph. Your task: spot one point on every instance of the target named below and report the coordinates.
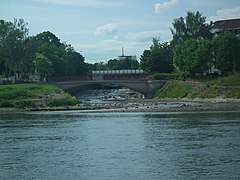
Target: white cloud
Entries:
(83, 3)
(146, 36)
(167, 4)
(226, 14)
(107, 29)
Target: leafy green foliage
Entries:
(20, 54)
(192, 26)
(161, 76)
(12, 38)
(6, 103)
(226, 52)
(43, 65)
(70, 101)
(193, 56)
(158, 59)
(114, 64)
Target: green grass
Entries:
(232, 80)
(174, 89)
(34, 95)
(224, 87)
(68, 101)
(21, 91)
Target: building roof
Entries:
(230, 24)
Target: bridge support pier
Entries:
(152, 87)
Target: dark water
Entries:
(75, 145)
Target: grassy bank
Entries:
(223, 87)
(34, 95)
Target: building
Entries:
(124, 57)
(231, 25)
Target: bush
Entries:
(163, 76)
(6, 103)
(232, 80)
(24, 104)
(69, 101)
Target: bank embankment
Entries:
(222, 94)
(221, 88)
(19, 96)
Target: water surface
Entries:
(76, 145)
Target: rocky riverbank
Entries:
(140, 105)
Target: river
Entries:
(98, 145)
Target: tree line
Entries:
(21, 54)
(193, 49)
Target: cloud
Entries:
(167, 4)
(107, 29)
(226, 14)
(146, 36)
(83, 3)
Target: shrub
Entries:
(161, 76)
(24, 103)
(69, 101)
(6, 104)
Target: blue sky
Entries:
(98, 29)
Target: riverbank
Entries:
(222, 94)
(139, 105)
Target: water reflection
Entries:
(75, 145)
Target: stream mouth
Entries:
(104, 95)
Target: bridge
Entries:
(147, 88)
(133, 79)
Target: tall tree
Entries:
(158, 59)
(75, 64)
(12, 37)
(43, 66)
(193, 56)
(192, 26)
(226, 52)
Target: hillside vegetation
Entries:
(34, 95)
(223, 87)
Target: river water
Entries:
(99, 145)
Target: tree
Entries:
(193, 56)
(49, 45)
(158, 59)
(43, 66)
(192, 26)
(226, 52)
(12, 38)
(75, 64)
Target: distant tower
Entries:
(122, 51)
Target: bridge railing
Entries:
(99, 78)
(134, 75)
(72, 78)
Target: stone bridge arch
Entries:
(147, 88)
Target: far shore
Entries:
(146, 105)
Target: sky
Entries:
(98, 29)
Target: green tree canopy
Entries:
(226, 52)
(192, 26)
(193, 56)
(12, 40)
(43, 65)
(158, 59)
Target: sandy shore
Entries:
(152, 105)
